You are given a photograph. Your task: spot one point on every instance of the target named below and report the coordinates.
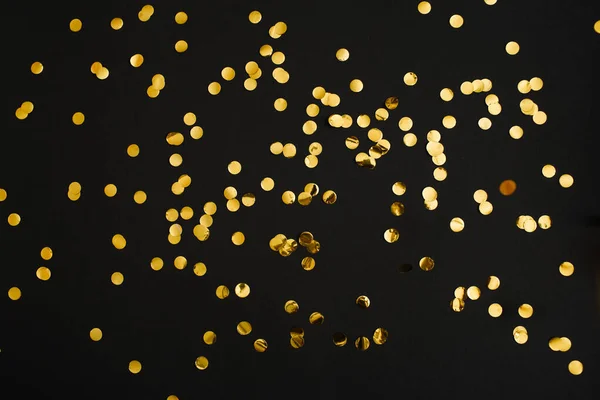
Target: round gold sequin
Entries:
(43, 273)
(156, 263)
(516, 132)
(548, 171)
(457, 304)
(397, 208)
(525, 310)
(119, 241)
(426, 263)
(329, 197)
(356, 85)
(135, 366)
(255, 17)
(196, 132)
(493, 282)
(242, 290)
(446, 94)
(289, 150)
(440, 174)
(576, 367)
(508, 187)
(222, 292)
(200, 269)
(342, 54)
(410, 79)
(410, 139)
(260, 345)
(291, 307)
(75, 25)
(209, 337)
(14, 293)
(520, 335)
(296, 341)
(512, 48)
(566, 181)
(486, 208)
(265, 50)
(238, 238)
(78, 118)
(181, 18)
(136, 60)
(316, 318)
(339, 339)
(405, 124)
(457, 224)
(180, 262)
(267, 184)
(456, 21)
(391, 103)
(37, 68)
(362, 343)
(181, 46)
(399, 188)
(540, 117)
(380, 336)
(280, 104)
(96, 334)
(288, 197)
(308, 263)
(424, 7)
(214, 88)
(473, 292)
(117, 278)
(485, 123)
(3, 194)
(449, 122)
(363, 301)
(566, 268)
(495, 310)
(201, 363)
(133, 150)
(391, 235)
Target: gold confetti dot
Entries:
(356, 85)
(43, 273)
(525, 311)
(399, 188)
(244, 328)
(181, 46)
(456, 21)
(196, 132)
(289, 150)
(117, 278)
(480, 196)
(508, 187)
(233, 205)
(136, 60)
(255, 17)
(157, 263)
(96, 334)
(536, 84)
(548, 171)
(175, 160)
(140, 197)
(14, 293)
(135, 366)
(457, 224)
(308, 263)
(37, 68)
(540, 118)
(566, 181)
(466, 88)
(214, 88)
(566, 268)
(410, 79)
(446, 94)
(576, 367)
(209, 337)
(424, 7)
(485, 123)
(242, 290)
(234, 167)
(545, 222)
(311, 161)
(200, 269)
(426, 263)
(409, 140)
(78, 118)
(449, 122)
(119, 241)
(14, 219)
(316, 318)
(46, 253)
(181, 18)
(495, 310)
(520, 335)
(267, 184)
(75, 25)
(380, 336)
(116, 23)
(280, 104)
(516, 132)
(512, 48)
(228, 73)
(362, 343)
(597, 26)
(391, 235)
(493, 282)
(133, 150)
(238, 239)
(260, 345)
(291, 307)
(110, 190)
(342, 54)
(222, 292)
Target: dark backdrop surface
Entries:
(159, 317)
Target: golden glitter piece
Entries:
(201, 363)
(175, 160)
(296, 342)
(410, 79)
(339, 339)
(329, 197)
(75, 25)
(140, 197)
(233, 205)
(480, 196)
(180, 262)
(380, 336)
(391, 235)
(260, 345)
(304, 198)
(280, 75)
(516, 132)
(119, 241)
(319, 92)
(244, 328)
(308, 263)
(135, 366)
(399, 188)
(485, 123)
(234, 167)
(446, 94)
(525, 310)
(228, 73)
(276, 148)
(508, 187)
(597, 26)
(315, 148)
(78, 118)
(548, 171)
(424, 7)
(309, 127)
(222, 292)
(181, 46)
(566, 268)
(576, 367)
(566, 181)
(405, 124)
(267, 184)
(429, 194)
(43, 273)
(280, 104)
(96, 334)
(278, 58)
(356, 85)
(363, 120)
(466, 88)
(255, 17)
(37, 68)
(200, 269)
(181, 18)
(297, 332)
(362, 343)
(473, 292)
(206, 220)
(46, 253)
(381, 114)
(460, 292)
(214, 88)
(536, 84)
(312, 110)
(456, 21)
(3, 194)
(512, 48)
(14, 293)
(289, 150)
(391, 103)
(486, 208)
(117, 278)
(426, 263)
(540, 117)
(410, 139)
(209, 337)
(196, 132)
(493, 282)
(248, 199)
(242, 290)
(363, 301)
(265, 50)
(291, 307)
(352, 142)
(440, 174)
(133, 150)
(545, 222)
(229, 193)
(156, 263)
(316, 318)
(136, 60)
(238, 239)
(288, 197)
(457, 224)
(524, 86)
(342, 55)
(520, 335)
(457, 305)
(397, 208)
(449, 122)
(495, 310)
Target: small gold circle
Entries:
(37, 68)
(96, 334)
(43, 273)
(356, 85)
(291, 307)
(267, 184)
(493, 282)
(222, 292)
(410, 139)
(260, 345)
(516, 132)
(242, 290)
(508, 187)
(424, 7)
(238, 238)
(201, 363)
(457, 224)
(525, 311)
(495, 310)
(426, 263)
(363, 301)
(119, 241)
(214, 88)
(280, 104)
(456, 21)
(575, 367)
(181, 46)
(255, 17)
(14, 293)
(449, 122)
(548, 171)
(135, 366)
(244, 328)
(117, 278)
(78, 118)
(156, 263)
(316, 318)
(136, 60)
(209, 337)
(342, 54)
(566, 268)
(133, 150)
(46, 253)
(391, 235)
(566, 181)
(410, 79)
(362, 343)
(512, 48)
(200, 269)
(399, 188)
(181, 18)
(75, 25)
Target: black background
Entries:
(158, 317)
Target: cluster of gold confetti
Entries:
(24, 110)
(99, 70)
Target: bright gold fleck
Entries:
(133, 150)
(449, 122)
(181, 46)
(362, 343)
(136, 60)
(242, 290)
(96, 334)
(135, 367)
(391, 235)
(493, 282)
(410, 79)
(356, 85)
(456, 21)
(117, 278)
(516, 132)
(363, 301)
(525, 310)
(342, 55)
(43, 273)
(457, 224)
(316, 318)
(566, 181)
(426, 263)
(14, 293)
(495, 310)
(238, 239)
(260, 345)
(280, 104)
(409, 140)
(78, 118)
(75, 25)
(520, 335)
(380, 336)
(473, 292)
(119, 241)
(291, 307)
(512, 48)
(576, 367)
(181, 18)
(566, 268)
(508, 187)
(446, 94)
(201, 363)
(424, 7)
(548, 171)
